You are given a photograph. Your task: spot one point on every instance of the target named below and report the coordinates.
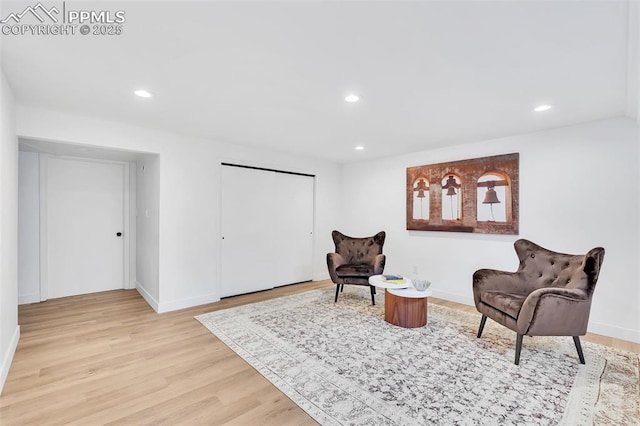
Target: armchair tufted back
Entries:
(545, 268)
(358, 250)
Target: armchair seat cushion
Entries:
(508, 303)
(355, 270)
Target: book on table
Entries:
(394, 279)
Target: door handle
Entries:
(118, 234)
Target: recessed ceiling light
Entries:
(541, 108)
(352, 98)
(359, 148)
(142, 93)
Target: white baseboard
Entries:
(174, 305)
(465, 300)
(146, 296)
(321, 277)
(614, 331)
(23, 299)
(7, 359)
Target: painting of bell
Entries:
(451, 185)
(491, 197)
(477, 195)
(420, 187)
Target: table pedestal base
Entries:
(407, 312)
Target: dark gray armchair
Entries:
(355, 260)
(549, 295)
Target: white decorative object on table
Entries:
(420, 284)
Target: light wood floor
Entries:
(107, 358)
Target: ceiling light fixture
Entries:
(142, 93)
(352, 98)
(359, 148)
(541, 108)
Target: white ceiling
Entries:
(274, 74)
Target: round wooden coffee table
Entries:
(404, 306)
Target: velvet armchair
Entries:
(549, 295)
(355, 260)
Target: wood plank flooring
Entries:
(108, 358)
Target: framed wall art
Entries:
(478, 195)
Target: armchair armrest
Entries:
(333, 261)
(378, 264)
(554, 311)
(494, 280)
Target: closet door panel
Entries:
(294, 224)
(247, 215)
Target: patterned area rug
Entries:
(344, 365)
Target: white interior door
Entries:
(84, 213)
(267, 224)
(294, 228)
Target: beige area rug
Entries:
(344, 365)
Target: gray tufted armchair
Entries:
(355, 260)
(549, 295)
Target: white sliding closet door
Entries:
(293, 243)
(266, 224)
(247, 211)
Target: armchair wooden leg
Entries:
(576, 340)
(518, 348)
(337, 292)
(341, 288)
(373, 294)
(482, 322)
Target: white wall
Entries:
(9, 329)
(189, 199)
(579, 189)
(633, 61)
(28, 227)
(147, 226)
